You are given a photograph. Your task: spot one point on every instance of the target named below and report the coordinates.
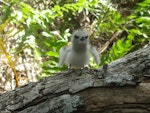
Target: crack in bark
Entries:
(38, 100)
(119, 108)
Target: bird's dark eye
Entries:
(76, 37)
(86, 37)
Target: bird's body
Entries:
(77, 54)
(76, 59)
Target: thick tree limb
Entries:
(123, 86)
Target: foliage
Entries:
(137, 28)
(141, 18)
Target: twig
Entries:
(105, 46)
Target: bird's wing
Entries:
(95, 54)
(63, 54)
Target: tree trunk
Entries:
(122, 86)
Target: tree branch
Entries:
(122, 86)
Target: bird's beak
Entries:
(82, 38)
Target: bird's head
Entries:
(80, 37)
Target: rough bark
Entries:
(122, 86)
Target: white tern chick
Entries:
(76, 55)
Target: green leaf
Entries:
(7, 12)
(46, 34)
(52, 54)
(143, 19)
